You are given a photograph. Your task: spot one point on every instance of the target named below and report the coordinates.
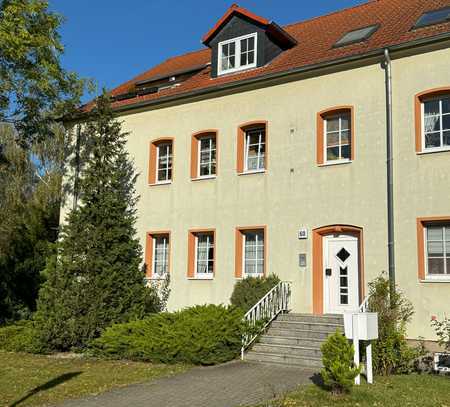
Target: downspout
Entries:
(389, 167)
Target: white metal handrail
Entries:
(265, 311)
(364, 307)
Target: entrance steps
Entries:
(295, 339)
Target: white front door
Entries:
(341, 274)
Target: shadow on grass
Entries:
(47, 386)
(317, 380)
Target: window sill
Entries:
(436, 280)
(330, 164)
(434, 150)
(160, 183)
(200, 277)
(204, 178)
(252, 172)
(155, 278)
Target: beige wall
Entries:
(295, 192)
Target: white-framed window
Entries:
(337, 133)
(436, 123)
(206, 156)
(253, 259)
(204, 255)
(255, 149)
(237, 54)
(437, 251)
(160, 266)
(164, 162)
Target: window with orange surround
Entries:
(204, 155)
(250, 256)
(157, 254)
(161, 161)
(252, 147)
(335, 135)
(201, 254)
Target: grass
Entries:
(399, 391)
(34, 380)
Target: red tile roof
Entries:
(315, 38)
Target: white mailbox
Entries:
(366, 323)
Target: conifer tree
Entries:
(95, 279)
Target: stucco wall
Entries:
(294, 191)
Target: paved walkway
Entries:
(228, 385)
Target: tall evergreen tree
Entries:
(96, 279)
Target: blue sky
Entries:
(111, 41)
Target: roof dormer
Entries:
(241, 40)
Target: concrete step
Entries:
(298, 333)
(300, 351)
(291, 340)
(284, 359)
(329, 318)
(312, 326)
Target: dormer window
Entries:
(237, 54)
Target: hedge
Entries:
(204, 335)
(21, 337)
(248, 291)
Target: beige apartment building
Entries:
(266, 152)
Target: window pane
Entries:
(243, 45)
(345, 122)
(431, 107)
(161, 260)
(446, 138)
(432, 123)
(435, 233)
(232, 48)
(251, 43)
(231, 62)
(345, 137)
(446, 122)
(435, 249)
(333, 124)
(446, 105)
(332, 139)
(205, 253)
(251, 57)
(332, 153)
(345, 151)
(435, 266)
(448, 265)
(432, 140)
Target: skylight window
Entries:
(359, 35)
(433, 17)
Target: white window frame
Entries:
(204, 276)
(325, 138)
(155, 275)
(237, 48)
(422, 108)
(167, 181)
(244, 238)
(199, 155)
(434, 277)
(247, 146)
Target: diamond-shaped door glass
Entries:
(343, 255)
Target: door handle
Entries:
(328, 272)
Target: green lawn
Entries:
(31, 380)
(397, 391)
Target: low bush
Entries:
(391, 353)
(442, 329)
(248, 291)
(339, 371)
(21, 337)
(204, 335)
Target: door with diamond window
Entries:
(341, 274)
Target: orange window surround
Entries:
(418, 119)
(150, 236)
(240, 164)
(152, 167)
(320, 130)
(195, 139)
(239, 248)
(191, 250)
(422, 223)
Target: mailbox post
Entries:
(362, 326)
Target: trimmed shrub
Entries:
(391, 353)
(248, 291)
(204, 335)
(20, 337)
(339, 371)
